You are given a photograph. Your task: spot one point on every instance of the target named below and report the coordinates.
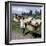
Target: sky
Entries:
(22, 9)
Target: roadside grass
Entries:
(15, 27)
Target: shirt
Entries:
(22, 25)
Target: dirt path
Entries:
(20, 36)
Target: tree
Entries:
(30, 13)
(40, 12)
(37, 13)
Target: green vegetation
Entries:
(15, 26)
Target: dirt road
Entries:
(15, 35)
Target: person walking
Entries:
(22, 25)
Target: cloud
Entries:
(26, 9)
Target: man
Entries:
(22, 25)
